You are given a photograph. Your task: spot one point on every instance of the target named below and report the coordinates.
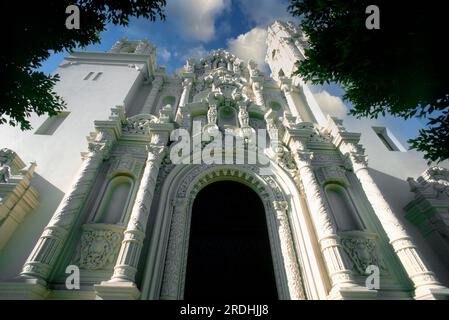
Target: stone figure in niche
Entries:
(5, 172)
(243, 116)
(212, 114)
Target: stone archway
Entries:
(229, 249)
(169, 258)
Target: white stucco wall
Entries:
(58, 155)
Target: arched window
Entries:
(115, 201)
(343, 210)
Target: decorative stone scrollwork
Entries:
(139, 124)
(272, 197)
(17, 196)
(99, 246)
(429, 210)
(125, 164)
(332, 174)
(359, 161)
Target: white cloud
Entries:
(330, 104)
(164, 54)
(195, 19)
(264, 12)
(250, 45)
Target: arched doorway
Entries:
(229, 252)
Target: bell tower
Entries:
(286, 44)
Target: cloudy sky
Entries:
(194, 27)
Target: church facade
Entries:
(131, 218)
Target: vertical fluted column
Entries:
(294, 279)
(44, 255)
(333, 253)
(151, 99)
(126, 266)
(186, 88)
(286, 87)
(423, 279)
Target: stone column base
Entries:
(432, 293)
(24, 289)
(352, 293)
(119, 290)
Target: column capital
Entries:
(160, 133)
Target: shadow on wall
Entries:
(398, 195)
(22, 242)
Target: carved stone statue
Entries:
(212, 114)
(243, 116)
